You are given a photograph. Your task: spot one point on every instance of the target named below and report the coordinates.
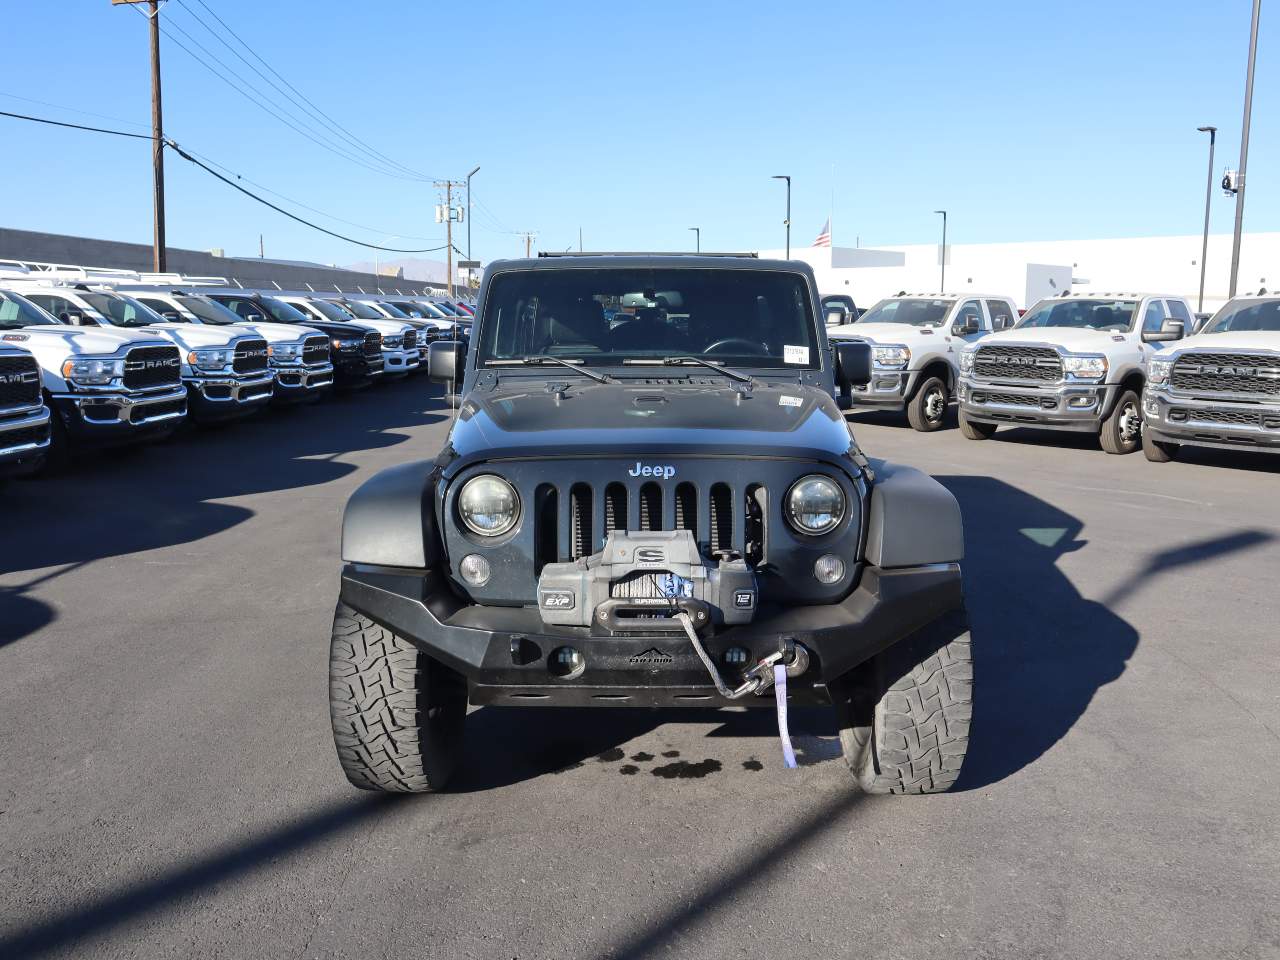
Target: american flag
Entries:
(824, 236)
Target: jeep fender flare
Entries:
(390, 520)
(913, 520)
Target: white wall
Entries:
(1138, 264)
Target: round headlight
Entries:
(815, 505)
(488, 505)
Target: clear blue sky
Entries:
(1025, 120)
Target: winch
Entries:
(642, 580)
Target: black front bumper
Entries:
(506, 652)
(359, 371)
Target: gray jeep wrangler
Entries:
(650, 497)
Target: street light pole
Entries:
(1208, 193)
(1244, 145)
(469, 176)
(783, 176)
(944, 250)
(697, 235)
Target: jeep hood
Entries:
(1243, 340)
(1075, 339)
(530, 419)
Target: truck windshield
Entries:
(17, 312)
(1114, 315)
(607, 316)
(209, 311)
(122, 311)
(362, 311)
(331, 310)
(1254, 315)
(917, 312)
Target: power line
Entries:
(87, 113)
(301, 99)
(75, 126)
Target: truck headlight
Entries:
(210, 359)
(286, 352)
(488, 505)
(346, 346)
(895, 356)
(91, 371)
(815, 505)
(1158, 371)
(966, 361)
(1085, 368)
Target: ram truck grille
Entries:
(152, 367)
(19, 382)
(315, 350)
(373, 345)
(411, 340)
(250, 357)
(1249, 374)
(1040, 364)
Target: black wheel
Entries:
(1158, 451)
(905, 728)
(928, 406)
(397, 715)
(1122, 430)
(974, 430)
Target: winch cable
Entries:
(755, 682)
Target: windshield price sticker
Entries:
(793, 354)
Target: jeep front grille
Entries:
(19, 382)
(1251, 374)
(1041, 364)
(152, 367)
(573, 523)
(315, 350)
(250, 356)
(373, 345)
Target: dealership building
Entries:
(1031, 270)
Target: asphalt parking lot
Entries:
(169, 787)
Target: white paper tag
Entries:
(792, 354)
(785, 401)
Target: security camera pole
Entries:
(783, 176)
(1208, 193)
(157, 132)
(1244, 145)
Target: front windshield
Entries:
(401, 311)
(923, 312)
(330, 310)
(608, 316)
(445, 308)
(1081, 314)
(278, 310)
(209, 311)
(17, 312)
(1251, 316)
(122, 311)
(432, 311)
(362, 311)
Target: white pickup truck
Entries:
(1219, 388)
(226, 369)
(1073, 362)
(24, 419)
(103, 386)
(915, 347)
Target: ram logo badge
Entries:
(665, 471)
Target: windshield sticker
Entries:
(785, 401)
(17, 337)
(793, 354)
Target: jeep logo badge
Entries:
(665, 471)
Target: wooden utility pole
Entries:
(157, 135)
(447, 186)
(529, 236)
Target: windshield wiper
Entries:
(571, 363)
(732, 374)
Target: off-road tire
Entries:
(1111, 436)
(397, 714)
(974, 430)
(1158, 451)
(918, 406)
(905, 729)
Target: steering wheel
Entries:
(739, 345)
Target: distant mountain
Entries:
(414, 268)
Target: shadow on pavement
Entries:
(1041, 650)
(126, 906)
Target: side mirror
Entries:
(837, 316)
(853, 363)
(255, 318)
(446, 361)
(172, 316)
(1171, 330)
(77, 319)
(966, 326)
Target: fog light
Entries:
(1080, 402)
(566, 662)
(737, 656)
(1151, 409)
(829, 569)
(474, 569)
